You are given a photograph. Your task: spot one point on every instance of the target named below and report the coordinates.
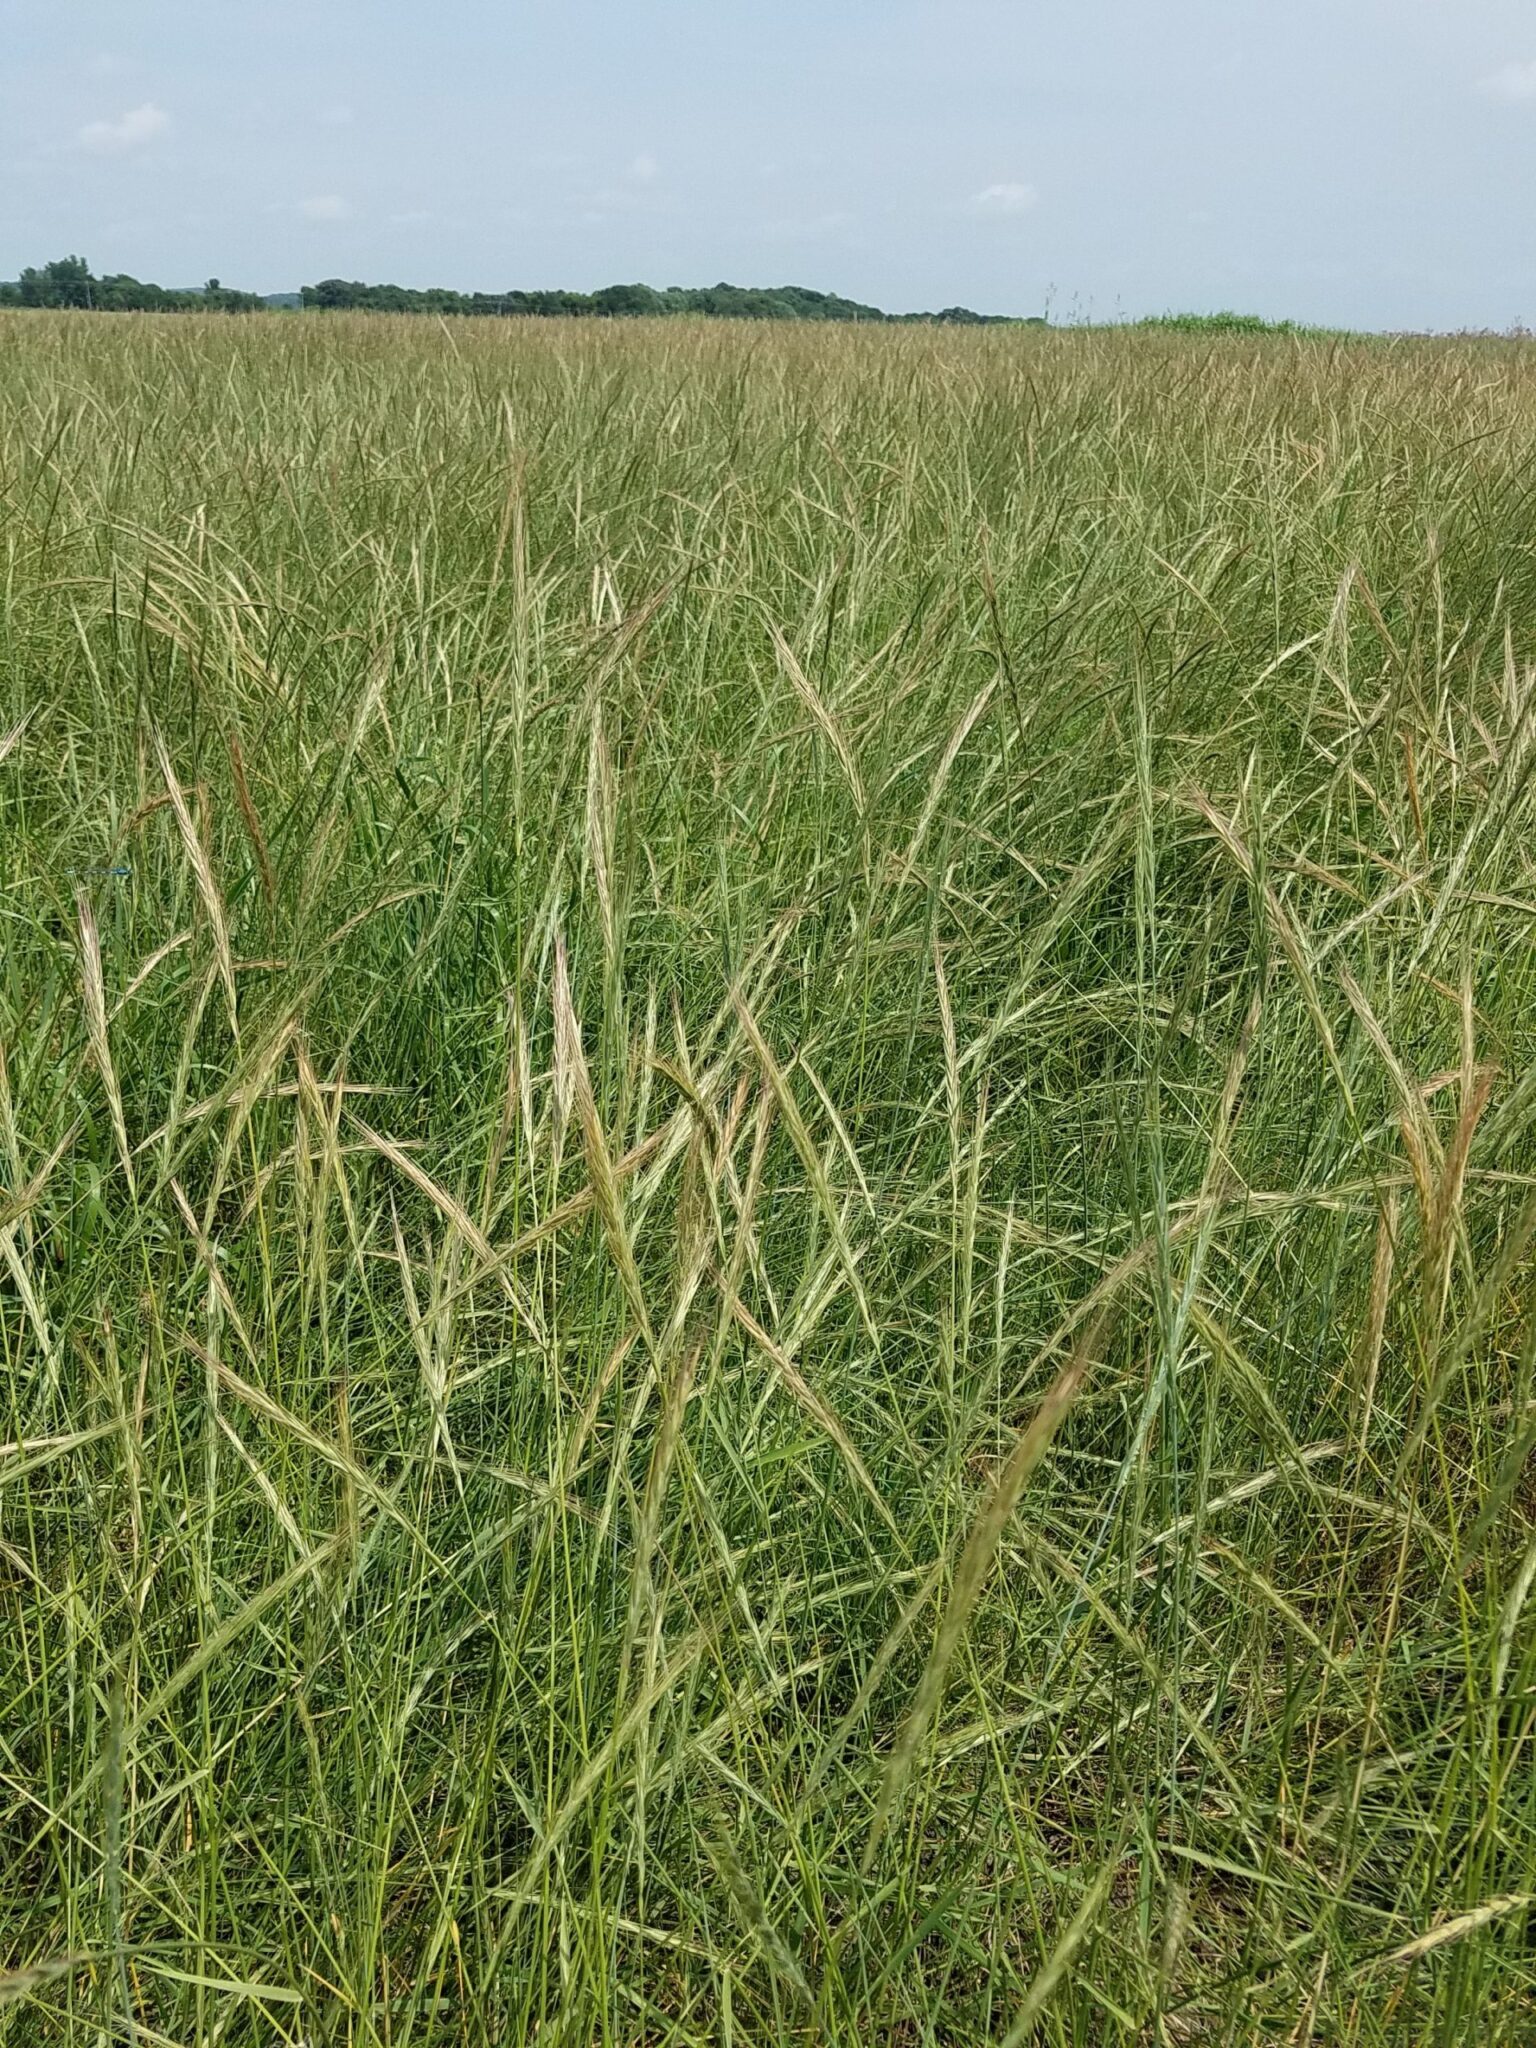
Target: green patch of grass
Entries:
(1221, 323)
(769, 1278)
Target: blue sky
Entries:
(1370, 162)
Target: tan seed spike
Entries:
(571, 1060)
(10, 739)
(251, 820)
(814, 1404)
(491, 1261)
(202, 872)
(976, 1560)
(96, 1028)
(1457, 1928)
(947, 759)
(600, 826)
(810, 1159)
(811, 698)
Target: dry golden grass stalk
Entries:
(96, 1029)
(571, 1066)
(977, 1558)
(202, 871)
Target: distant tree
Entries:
(123, 294)
(332, 294)
(619, 301)
(218, 298)
(70, 279)
(64, 282)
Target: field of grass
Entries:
(767, 1148)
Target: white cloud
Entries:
(328, 206)
(130, 131)
(412, 217)
(338, 116)
(1511, 82)
(644, 169)
(995, 201)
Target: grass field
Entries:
(767, 1147)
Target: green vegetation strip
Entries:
(68, 283)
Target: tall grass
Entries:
(767, 1142)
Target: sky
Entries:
(1368, 163)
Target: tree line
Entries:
(622, 301)
(68, 282)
